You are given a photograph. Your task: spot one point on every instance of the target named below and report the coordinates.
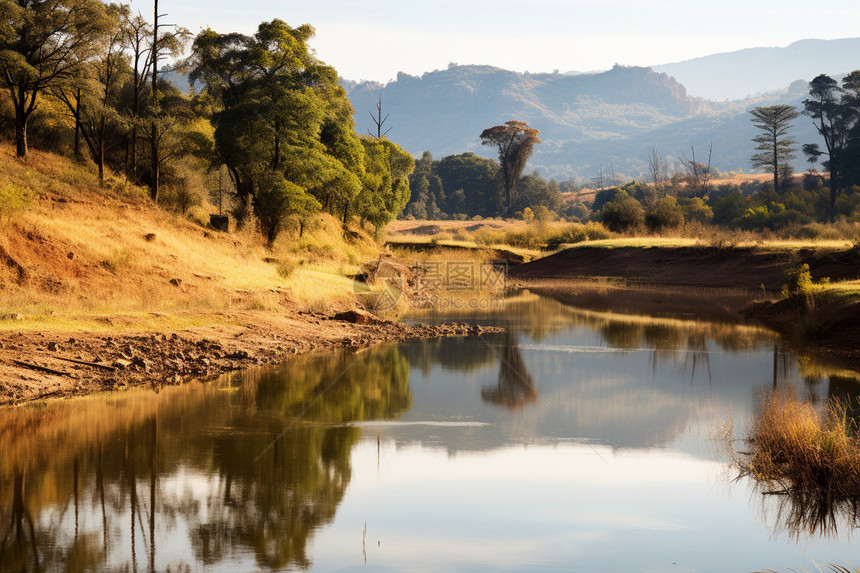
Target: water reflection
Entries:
(241, 471)
(515, 387)
(626, 381)
(598, 422)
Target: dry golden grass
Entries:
(91, 251)
(809, 461)
(799, 448)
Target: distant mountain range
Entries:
(606, 120)
(737, 75)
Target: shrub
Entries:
(286, 268)
(13, 198)
(664, 216)
(695, 209)
(578, 233)
(799, 284)
(624, 214)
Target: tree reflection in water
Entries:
(101, 483)
(515, 387)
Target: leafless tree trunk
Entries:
(153, 185)
(657, 168)
(378, 120)
(698, 174)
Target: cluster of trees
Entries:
(749, 206)
(466, 186)
(835, 113)
(266, 109)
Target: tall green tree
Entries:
(92, 95)
(774, 147)
(851, 100)
(385, 191)
(830, 119)
(476, 176)
(43, 43)
(515, 141)
(279, 110)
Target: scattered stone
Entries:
(149, 237)
(71, 255)
(357, 317)
(72, 341)
(176, 282)
(52, 346)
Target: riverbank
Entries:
(101, 289)
(714, 283)
(37, 365)
(756, 268)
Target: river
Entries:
(575, 441)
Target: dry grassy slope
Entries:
(79, 248)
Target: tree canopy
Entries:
(284, 129)
(42, 44)
(775, 148)
(514, 141)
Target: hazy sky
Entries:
(374, 39)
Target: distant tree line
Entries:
(467, 186)
(669, 203)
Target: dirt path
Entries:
(38, 365)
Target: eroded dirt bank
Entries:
(705, 266)
(38, 365)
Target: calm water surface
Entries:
(576, 441)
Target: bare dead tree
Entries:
(657, 169)
(378, 120)
(137, 30)
(161, 46)
(599, 183)
(698, 173)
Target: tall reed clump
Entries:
(809, 461)
(800, 450)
